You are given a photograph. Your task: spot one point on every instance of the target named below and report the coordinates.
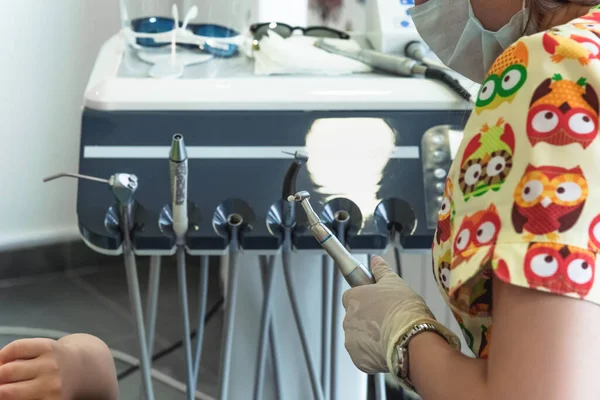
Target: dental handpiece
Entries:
(355, 273)
(396, 65)
(289, 187)
(399, 65)
(178, 163)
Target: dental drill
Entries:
(123, 187)
(353, 271)
(288, 222)
(397, 65)
(418, 51)
(178, 168)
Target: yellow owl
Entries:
(443, 270)
(507, 75)
(573, 47)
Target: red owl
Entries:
(594, 232)
(588, 26)
(573, 47)
(563, 112)
(560, 269)
(501, 269)
(548, 201)
(444, 227)
(478, 230)
(594, 16)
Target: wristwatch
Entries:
(400, 354)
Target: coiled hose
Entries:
(442, 76)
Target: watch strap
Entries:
(401, 357)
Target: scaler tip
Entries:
(298, 155)
(178, 151)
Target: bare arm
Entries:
(543, 347)
(96, 378)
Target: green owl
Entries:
(487, 160)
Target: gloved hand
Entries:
(378, 315)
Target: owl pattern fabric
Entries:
(522, 199)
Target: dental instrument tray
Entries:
(379, 149)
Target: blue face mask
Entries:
(453, 32)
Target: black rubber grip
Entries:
(453, 84)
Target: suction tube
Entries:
(342, 219)
(234, 222)
(266, 330)
(326, 338)
(183, 306)
(202, 295)
(289, 282)
(135, 298)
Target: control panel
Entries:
(438, 149)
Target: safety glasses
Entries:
(153, 32)
(284, 30)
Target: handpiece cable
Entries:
(399, 65)
(175, 346)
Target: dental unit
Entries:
(285, 256)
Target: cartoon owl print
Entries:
(594, 232)
(476, 231)
(594, 17)
(560, 269)
(548, 201)
(486, 337)
(506, 76)
(475, 295)
(563, 112)
(443, 270)
(572, 47)
(588, 26)
(501, 270)
(466, 333)
(487, 160)
(444, 226)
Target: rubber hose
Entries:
(265, 323)
(314, 380)
(449, 81)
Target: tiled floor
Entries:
(94, 300)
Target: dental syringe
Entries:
(355, 273)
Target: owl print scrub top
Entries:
(522, 199)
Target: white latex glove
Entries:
(378, 315)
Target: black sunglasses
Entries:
(284, 30)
